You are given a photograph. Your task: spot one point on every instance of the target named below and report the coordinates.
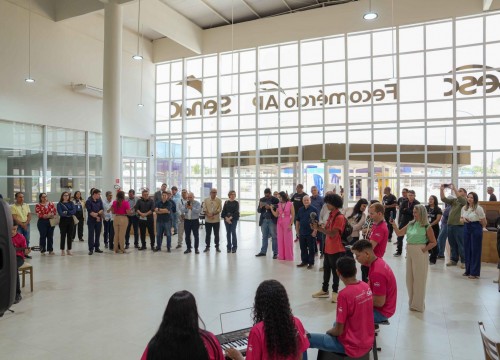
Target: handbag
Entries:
(54, 221)
(75, 220)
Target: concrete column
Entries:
(111, 105)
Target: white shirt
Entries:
(473, 215)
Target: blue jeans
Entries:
(473, 242)
(25, 233)
(443, 235)
(94, 228)
(232, 241)
(378, 317)
(175, 220)
(268, 227)
(324, 342)
(456, 240)
(109, 233)
(46, 235)
(163, 228)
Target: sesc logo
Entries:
(469, 83)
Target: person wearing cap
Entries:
(267, 222)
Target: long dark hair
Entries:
(356, 211)
(179, 334)
(476, 200)
(120, 197)
(271, 306)
(435, 201)
(77, 193)
(284, 196)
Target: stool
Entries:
(26, 268)
(375, 348)
(325, 355)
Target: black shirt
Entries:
(170, 206)
(231, 208)
(265, 213)
(406, 212)
(297, 201)
(144, 206)
(493, 197)
(432, 214)
(389, 200)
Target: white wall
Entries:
(62, 53)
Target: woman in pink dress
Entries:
(285, 214)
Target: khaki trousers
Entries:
(120, 224)
(417, 266)
(180, 232)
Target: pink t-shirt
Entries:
(122, 210)
(257, 342)
(211, 343)
(383, 283)
(19, 241)
(379, 233)
(355, 311)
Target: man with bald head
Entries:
(306, 216)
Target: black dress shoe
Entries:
(275, 256)
(196, 251)
(142, 248)
(217, 249)
(136, 246)
(80, 239)
(168, 250)
(178, 246)
(228, 251)
(156, 250)
(105, 246)
(91, 252)
(234, 250)
(187, 251)
(98, 251)
(260, 254)
(301, 265)
(126, 247)
(206, 250)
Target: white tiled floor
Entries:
(108, 306)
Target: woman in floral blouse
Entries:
(45, 211)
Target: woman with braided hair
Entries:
(276, 333)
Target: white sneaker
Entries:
(320, 294)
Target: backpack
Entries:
(346, 235)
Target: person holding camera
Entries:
(191, 211)
(405, 216)
(455, 226)
(267, 222)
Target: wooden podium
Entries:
(489, 250)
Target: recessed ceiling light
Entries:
(370, 15)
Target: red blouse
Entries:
(47, 209)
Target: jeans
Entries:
(330, 268)
(109, 233)
(268, 227)
(473, 242)
(94, 228)
(149, 224)
(232, 241)
(443, 235)
(163, 228)
(325, 342)
(46, 235)
(25, 233)
(194, 226)
(208, 233)
(133, 222)
(456, 240)
(307, 247)
(378, 317)
(175, 220)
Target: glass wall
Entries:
(35, 159)
(412, 106)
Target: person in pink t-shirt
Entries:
(354, 330)
(381, 280)
(179, 336)
(276, 334)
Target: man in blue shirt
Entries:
(191, 211)
(164, 210)
(307, 236)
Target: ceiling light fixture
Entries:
(29, 79)
(370, 15)
(138, 55)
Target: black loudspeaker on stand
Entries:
(8, 265)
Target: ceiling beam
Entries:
(250, 8)
(487, 5)
(215, 11)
